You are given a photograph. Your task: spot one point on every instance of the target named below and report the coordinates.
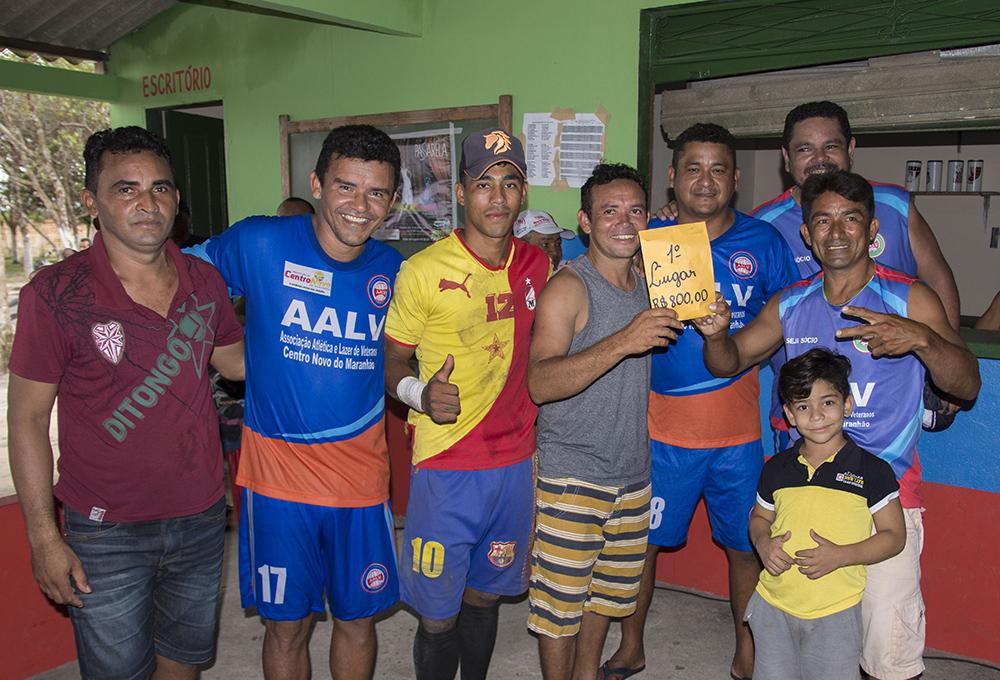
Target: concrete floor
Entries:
(689, 636)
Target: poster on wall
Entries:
(426, 209)
(562, 147)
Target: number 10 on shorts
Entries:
(266, 571)
(428, 557)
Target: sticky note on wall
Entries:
(678, 266)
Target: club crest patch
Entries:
(501, 553)
(742, 264)
(379, 290)
(876, 247)
(529, 295)
(374, 578)
(110, 340)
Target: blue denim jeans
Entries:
(155, 590)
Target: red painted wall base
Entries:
(34, 635)
(961, 568)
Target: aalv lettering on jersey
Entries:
(110, 340)
(329, 322)
(861, 399)
(501, 553)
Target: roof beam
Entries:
(394, 17)
(59, 82)
(20, 45)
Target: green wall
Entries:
(579, 54)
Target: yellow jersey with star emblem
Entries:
(449, 301)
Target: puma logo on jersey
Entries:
(446, 284)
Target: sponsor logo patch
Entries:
(379, 290)
(307, 278)
(861, 345)
(876, 247)
(851, 478)
(742, 264)
(501, 553)
(110, 340)
(374, 578)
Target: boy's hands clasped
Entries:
(814, 563)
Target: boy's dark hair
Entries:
(606, 173)
(363, 142)
(823, 109)
(704, 132)
(850, 185)
(130, 139)
(798, 375)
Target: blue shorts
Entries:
(466, 528)
(292, 553)
(154, 591)
(727, 477)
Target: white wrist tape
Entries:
(410, 391)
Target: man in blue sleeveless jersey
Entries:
(694, 452)
(903, 332)
(817, 138)
(315, 525)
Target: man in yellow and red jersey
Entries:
(464, 306)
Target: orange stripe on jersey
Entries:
(351, 473)
(724, 417)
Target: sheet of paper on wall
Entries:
(677, 262)
(581, 146)
(562, 150)
(540, 130)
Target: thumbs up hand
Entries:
(440, 398)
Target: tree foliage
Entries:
(41, 157)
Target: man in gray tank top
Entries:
(589, 370)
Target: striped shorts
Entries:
(588, 554)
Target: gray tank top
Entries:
(600, 435)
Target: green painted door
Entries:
(197, 145)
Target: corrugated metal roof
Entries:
(88, 25)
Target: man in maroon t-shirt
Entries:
(123, 333)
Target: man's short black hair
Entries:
(299, 202)
(823, 109)
(362, 142)
(800, 374)
(130, 139)
(850, 185)
(606, 173)
(704, 132)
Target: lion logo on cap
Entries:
(498, 141)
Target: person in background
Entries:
(539, 228)
(293, 205)
(85, 242)
(123, 334)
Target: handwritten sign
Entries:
(678, 267)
